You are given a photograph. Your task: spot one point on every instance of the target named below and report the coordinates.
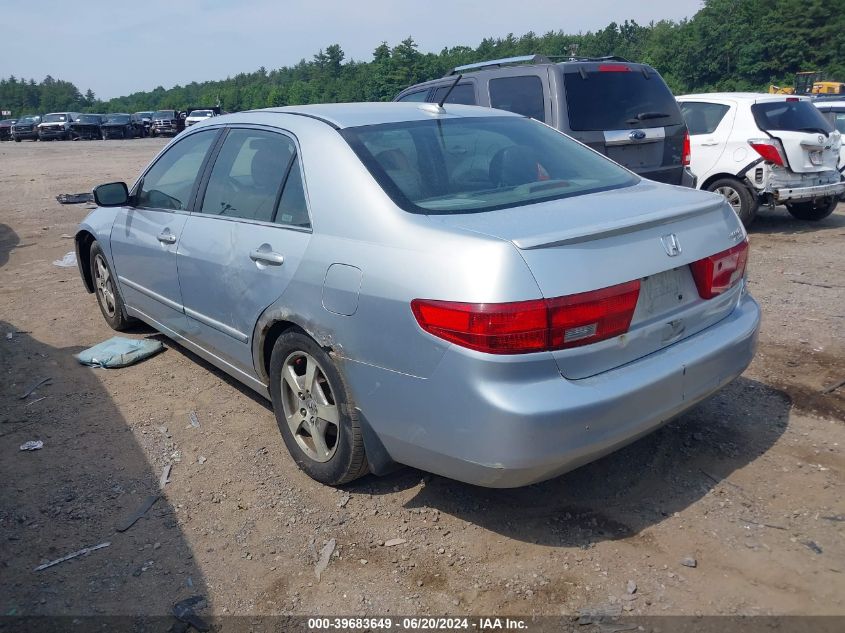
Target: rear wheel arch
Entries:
(84, 240)
(268, 330)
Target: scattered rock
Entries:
(689, 561)
(395, 541)
(812, 546)
(202, 459)
(325, 557)
(631, 588)
(32, 445)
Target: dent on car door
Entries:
(145, 236)
(244, 241)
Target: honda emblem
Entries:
(671, 244)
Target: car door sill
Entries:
(220, 327)
(152, 295)
(236, 373)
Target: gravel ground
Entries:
(736, 508)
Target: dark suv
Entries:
(622, 109)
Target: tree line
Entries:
(727, 45)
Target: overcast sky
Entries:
(115, 48)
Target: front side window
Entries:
(247, 178)
(523, 95)
(470, 165)
(168, 183)
(462, 94)
(703, 118)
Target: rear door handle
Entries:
(166, 237)
(264, 255)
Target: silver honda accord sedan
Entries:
(459, 289)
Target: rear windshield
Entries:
(469, 165)
(790, 116)
(619, 100)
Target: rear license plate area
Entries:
(816, 157)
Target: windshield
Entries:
(164, 114)
(469, 165)
(619, 100)
(28, 119)
(201, 113)
(117, 118)
(88, 118)
(55, 118)
(790, 116)
(144, 115)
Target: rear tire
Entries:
(742, 200)
(310, 400)
(813, 210)
(105, 287)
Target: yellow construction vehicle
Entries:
(809, 83)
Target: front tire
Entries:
(813, 210)
(743, 201)
(105, 287)
(314, 412)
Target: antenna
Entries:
(449, 91)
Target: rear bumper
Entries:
(795, 194)
(506, 422)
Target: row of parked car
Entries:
(75, 126)
(755, 149)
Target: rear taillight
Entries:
(614, 68)
(687, 155)
(770, 149)
(715, 274)
(531, 326)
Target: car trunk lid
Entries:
(647, 233)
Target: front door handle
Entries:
(166, 237)
(265, 255)
(710, 142)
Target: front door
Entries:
(145, 236)
(244, 242)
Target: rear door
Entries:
(809, 140)
(710, 124)
(627, 112)
(145, 237)
(244, 242)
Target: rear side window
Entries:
(463, 94)
(419, 96)
(619, 100)
(703, 118)
(790, 116)
(523, 95)
(837, 120)
(247, 177)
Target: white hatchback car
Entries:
(764, 149)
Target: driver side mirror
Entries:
(113, 194)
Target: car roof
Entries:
(832, 103)
(345, 115)
(753, 97)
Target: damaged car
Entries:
(120, 125)
(86, 127)
(56, 126)
(459, 289)
(26, 127)
(6, 129)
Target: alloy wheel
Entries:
(104, 286)
(732, 196)
(309, 406)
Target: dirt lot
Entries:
(750, 483)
